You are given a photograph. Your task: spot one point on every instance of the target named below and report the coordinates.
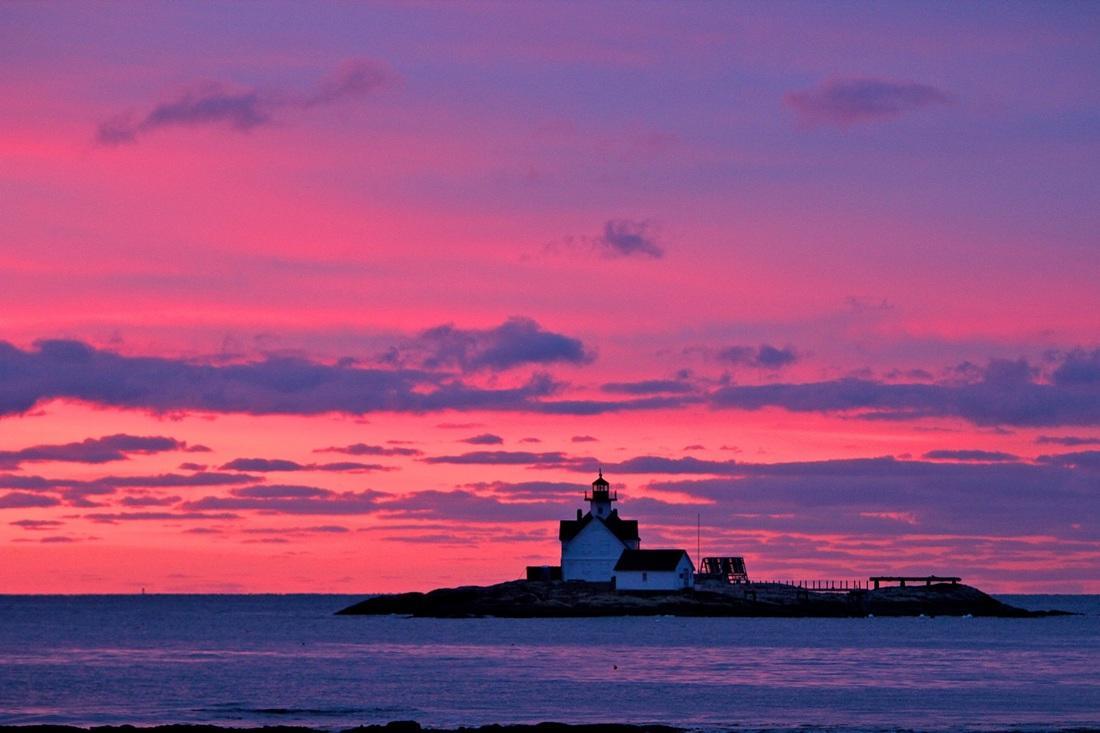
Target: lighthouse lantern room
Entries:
(601, 497)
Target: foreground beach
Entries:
(397, 726)
(401, 726)
(408, 726)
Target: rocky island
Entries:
(559, 599)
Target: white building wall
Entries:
(682, 577)
(591, 555)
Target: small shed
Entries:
(654, 570)
(544, 572)
(723, 570)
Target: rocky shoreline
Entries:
(556, 599)
(400, 726)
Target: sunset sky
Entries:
(307, 297)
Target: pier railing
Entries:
(821, 586)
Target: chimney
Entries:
(579, 515)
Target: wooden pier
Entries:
(872, 583)
(901, 580)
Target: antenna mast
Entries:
(698, 543)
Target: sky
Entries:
(359, 297)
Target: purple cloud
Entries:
(875, 497)
(350, 467)
(268, 465)
(581, 464)
(144, 501)
(37, 524)
(318, 529)
(275, 385)
(171, 480)
(1004, 393)
(658, 464)
(504, 458)
(648, 386)
(763, 357)
(881, 494)
(291, 500)
(76, 492)
(466, 506)
(92, 450)
(969, 455)
(845, 102)
(362, 449)
(1088, 460)
(527, 490)
(116, 517)
(284, 491)
(213, 104)
(261, 465)
(600, 407)
(351, 78)
(516, 342)
(1079, 367)
(23, 500)
(483, 439)
(1067, 440)
(627, 238)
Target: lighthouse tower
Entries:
(599, 501)
(592, 543)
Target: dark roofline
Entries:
(651, 560)
(626, 530)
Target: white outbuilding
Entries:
(654, 570)
(592, 543)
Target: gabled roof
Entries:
(655, 560)
(625, 529)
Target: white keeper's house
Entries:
(654, 570)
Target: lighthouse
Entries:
(592, 543)
(601, 498)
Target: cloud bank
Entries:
(242, 110)
(94, 450)
(845, 102)
(1004, 392)
(764, 356)
(516, 342)
(628, 238)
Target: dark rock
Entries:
(397, 726)
(558, 599)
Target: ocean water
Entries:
(265, 660)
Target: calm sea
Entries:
(264, 660)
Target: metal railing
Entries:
(823, 586)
